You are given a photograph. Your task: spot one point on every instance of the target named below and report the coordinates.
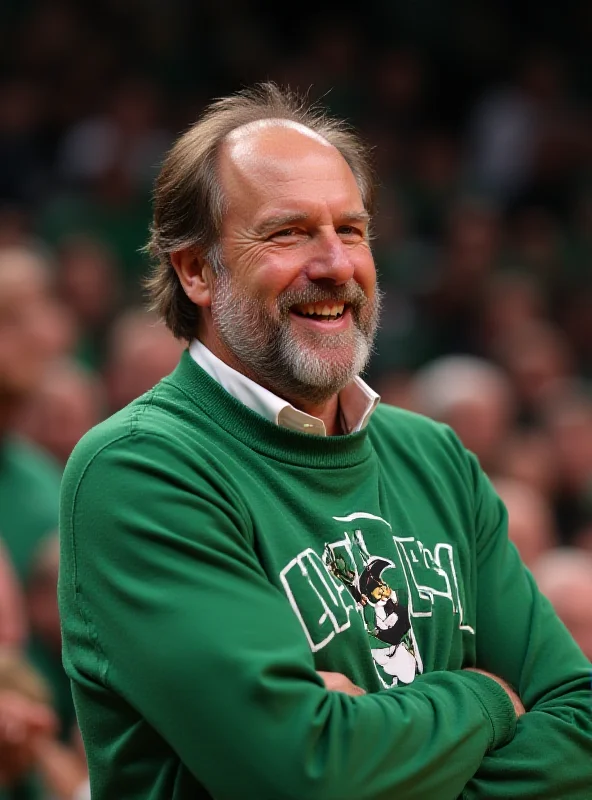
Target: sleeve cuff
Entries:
(497, 706)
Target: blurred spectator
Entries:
(508, 124)
(141, 351)
(536, 244)
(34, 765)
(511, 300)
(451, 299)
(22, 169)
(88, 282)
(530, 519)
(25, 718)
(472, 396)
(31, 334)
(66, 404)
(564, 575)
(22, 721)
(538, 359)
(62, 769)
(568, 419)
(526, 455)
(45, 643)
(128, 136)
(13, 619)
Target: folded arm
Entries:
(520, 638)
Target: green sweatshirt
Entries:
(212, 562)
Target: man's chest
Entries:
(381, 584)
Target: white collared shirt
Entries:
(357, 400)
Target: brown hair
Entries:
(188, 201)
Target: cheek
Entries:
(272, 279)
(365, 273)
(364, 269)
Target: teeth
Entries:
(322, 310)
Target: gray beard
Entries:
(312, 366)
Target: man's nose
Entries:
(331, 261)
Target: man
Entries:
(531, 527)
(66, 404)
(219, 535)
(140, 352)
(471, 395)
(564, 576)
(31, 334)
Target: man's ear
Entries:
(194, 274)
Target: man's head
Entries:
(31, 329)
(261, 237)
(530, 518)
(564, 575)
(471, 395)
(140, 352)
(67, 403)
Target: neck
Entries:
(327, 411)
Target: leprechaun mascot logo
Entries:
(385, 617)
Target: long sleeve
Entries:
(165, 605)
(521, 639)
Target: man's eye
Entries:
(286, 232)
(349, 230)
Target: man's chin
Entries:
(319, 376)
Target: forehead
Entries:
(20, 276)
(277, 162)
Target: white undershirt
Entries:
(357, 400)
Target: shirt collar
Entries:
(357, 400)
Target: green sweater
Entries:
(212, 562)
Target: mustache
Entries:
(350, 293)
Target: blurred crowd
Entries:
(482, 133)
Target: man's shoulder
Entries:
(391, 420)
(151, 422)
(420, 436)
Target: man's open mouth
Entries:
(322, 311)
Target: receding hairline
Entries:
(260, 125)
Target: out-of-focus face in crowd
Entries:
(569, 422)
(141, 352)
(88, 281)
(66, 404)
(32, 328)
(470, 395)
(564, 575)
(530, 519)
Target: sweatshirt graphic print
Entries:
(347, 585)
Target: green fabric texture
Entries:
(212, 562)
(29, 500)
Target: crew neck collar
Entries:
(258, 433)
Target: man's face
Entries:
(296, 302)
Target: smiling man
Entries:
(297, 313)
(258, 546)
